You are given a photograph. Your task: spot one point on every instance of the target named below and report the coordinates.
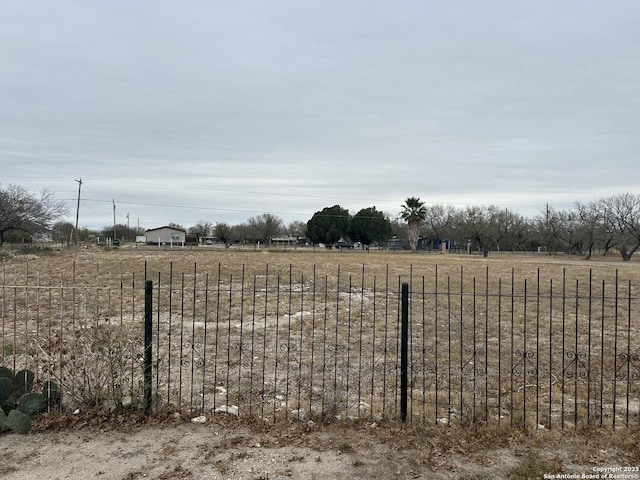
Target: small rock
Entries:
(299, 414)
(230, 409)
(200, 419)
(76, 411)
(221, 389)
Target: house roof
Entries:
(167, 226)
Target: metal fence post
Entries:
(148, 344)
(404, 351)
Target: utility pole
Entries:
(114, 220)
(78, 209)
(128, 228)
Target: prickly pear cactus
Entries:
(6, 395)
(6, 373)
(18, 422)
(3, 421)
(51, 391)
(24, 382)
(18, 402)
(32, 403)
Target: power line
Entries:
(235, 210)
(189, 207)
(235, 191)
(78, 208)
(94, 212)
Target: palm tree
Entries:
(414, 213)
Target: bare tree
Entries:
(266, 226)
(566, 230)
(62, 232)
(475, 223)
(591, 218)
(622, 221)
(242, 233)
(490, 227)
(519, 231)
(557, 230)
(297, 229)
(23, 211)
(440, 220)
(202, 228)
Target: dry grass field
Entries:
(305, 340)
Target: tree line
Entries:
(610, 224)
(605, 225)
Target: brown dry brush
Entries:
(531, 341)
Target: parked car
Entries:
(343, 244)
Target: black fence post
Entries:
(404, 351)
(148, 344)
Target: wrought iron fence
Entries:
(547, 351)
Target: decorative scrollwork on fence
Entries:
(287, 358)
(380, 365)
(522, 367)
(422, 360)
(243, 350)
(198, 357)
(283, 365)
(192, 352)
(187, 345)
(576, 368)
(333, 349)
(389, 349)
(288, 347)
(629, 369)
(37, 342)
(475, 365)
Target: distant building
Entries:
(290, 240)
(166, 236)
(396, 243)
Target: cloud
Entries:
(230, 109)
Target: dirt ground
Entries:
(174, 447)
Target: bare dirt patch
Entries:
(122, 447)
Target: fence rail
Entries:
(549, 352)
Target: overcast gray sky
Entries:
(223, 110)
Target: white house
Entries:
(166, 236)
